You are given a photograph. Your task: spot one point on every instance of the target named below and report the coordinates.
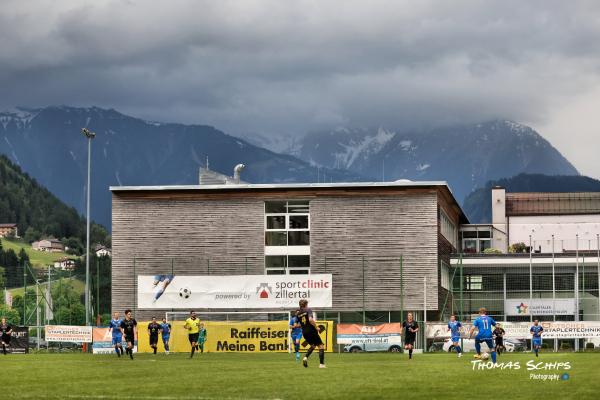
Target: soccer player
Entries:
(310, 331)
(296, 334)
(165, 329)
(202, 337)
(153, 328)
(483, 324)
(536, 337)
(454, 328)
(129, 327)
(410, 329)
(6, 331)
(114, 328)
(499, 338)
(192, 324)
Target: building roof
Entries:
(8, 225)
(254, 186)
(521, 204)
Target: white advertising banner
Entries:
(68, 333)
(555, 330)
(520, 330)
(524, 307)
(234, 291)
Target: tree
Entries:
(2, 280)
(74, 245)
(12, 316)
(13, 272)
(23, 257)
(31, 235)
(518, 248)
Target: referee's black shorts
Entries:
(193, 337)
(153, 340)
(6, 339)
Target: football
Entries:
(185, 292)
(485, 356)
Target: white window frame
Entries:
(445, 276)
(287, 250)
(447, 224)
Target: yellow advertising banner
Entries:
(231, 337)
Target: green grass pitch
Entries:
(278, 376)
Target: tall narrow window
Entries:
(287, 237)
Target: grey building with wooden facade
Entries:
(386, 244)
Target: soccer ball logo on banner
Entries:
(185, 293)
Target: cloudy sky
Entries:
(288, 67)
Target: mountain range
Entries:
(466, 156)
(47, 144)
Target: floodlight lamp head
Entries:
(87, 133)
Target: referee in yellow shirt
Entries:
(192, 324)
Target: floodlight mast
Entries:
(89, 135)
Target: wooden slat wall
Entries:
(200, 237)
(343, 230)
(230, 233)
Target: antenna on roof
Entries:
(207, 163)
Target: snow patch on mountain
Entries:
(20, 115)
(363, 148)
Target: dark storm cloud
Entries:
(278, 66)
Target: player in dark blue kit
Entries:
(153, 330)
(5, 333)
(165, 330)
(536, 337)
(410, 327)
(310, 331)
(129, 328)
(454, 328)
(483, 324)
(114, 327)
(296, 334)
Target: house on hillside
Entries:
(51, 245)
(102, 251)
(65, 264)
(8, 229)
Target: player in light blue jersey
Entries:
(454, 328)
(536, 337)
(483, 324)
(296, 334)
(165, 330)
(114, 327)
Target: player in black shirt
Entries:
(499, 338)
(410, 329)
(129, 328)
(153, 328)
(310, 332)
(6, 330)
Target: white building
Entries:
(546, 222)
